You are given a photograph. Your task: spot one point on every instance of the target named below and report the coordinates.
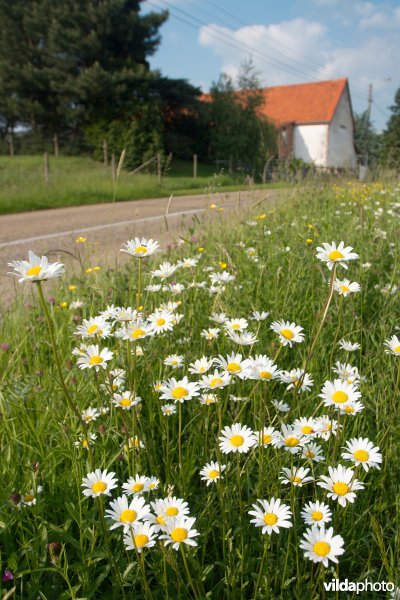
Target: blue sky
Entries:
(288, 41)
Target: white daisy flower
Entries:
(346, 372)
(326, 426)
(94, 327)
(140, 247)
(36, 268)
(238, 398)
(306, 426)
(200, 366)
(84, 441)
(341, 484)
(281, 406)
(140, 536)
(361, 451)
(135, 485)
(296, 378)
(242, 339)
(215, 380)
(174, 361)
(218, 317)
(124, 512)
(267, 437)
(133, 443)
(352, 408)
(211, 333)
(316, 513)
(339, 393)
(168, 409)
(237, 438)
(259, 316)
(179, 391)
(322, 546)
(236, 325)
(93, 358)
(161, 321)
(90, 414)
(165, 270)
(271, 515)
(135, 331)
(349, 346)
(296, 476)
(99, 482)
(290, 439)
(288, 332)
(187, 263)
(233, 364)
(126, 400)
(30, 498)
(393, 345)
(344, 287)
(262, 368)
(211, 472)
(331, 254)
(179, 531)
(208, 399)
(312, 451)
(154, 287)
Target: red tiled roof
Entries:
(303, 102)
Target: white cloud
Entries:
(309, 54)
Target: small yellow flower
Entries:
(89, 270)
(200, 249)
(63, 304)
(310, 226)
(223, 265)
(81, 239)
(96, 268)
(213, 206)
(261, 217)
(309, 241)
(220, 209)
(72, 288)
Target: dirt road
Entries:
(106, 226)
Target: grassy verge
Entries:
(75, 181)
(56, 542)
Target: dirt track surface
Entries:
(107, 227)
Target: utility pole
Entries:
(367, 125)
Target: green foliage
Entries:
(37, 433)
(366, 140)
(391, 135)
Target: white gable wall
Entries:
(310, 143)
(341, 152)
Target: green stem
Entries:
(195, 592)
(264, 556)
(139, 290)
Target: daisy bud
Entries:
(15, 498)
(54, 551)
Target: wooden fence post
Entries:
(56, 148)
(194, 166)
(105, 153)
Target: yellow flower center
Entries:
(309, 454)
(317, 515)
(172, 511)
(137, 487)
(236, 326)
(233, 367)
(265, 375)
(29, 497)
(160, 520)
(237, 440)
(34, 271)
(128, 516)
(361, 455)
(160, 322)
(125, 402)
(307, 429)
(141, 249)
(335, 255)
(340, 488)
(292, 441)
(179, 534)
(215, 381)
(349, 409)
(287, 334)
(339, 397)
(213, 474)
(137, 333)
(270, 519)
(141, 540)
(179, 392)
(267, 438)
(344, 288)
(95, 360)
(99, 486)
(92, 329)
(296, 479)
(397, 350)
(322, 548)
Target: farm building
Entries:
(314, 122)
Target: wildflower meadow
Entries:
(217, 419)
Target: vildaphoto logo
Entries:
(358, 586)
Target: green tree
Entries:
(391, 135)
(366, 139)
